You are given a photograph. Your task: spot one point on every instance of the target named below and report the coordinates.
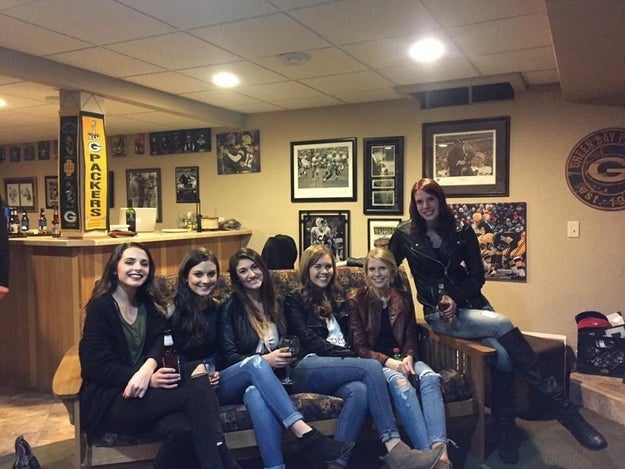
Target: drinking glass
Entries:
(210, 366)
(292, 343)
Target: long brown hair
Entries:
(322, 301)
(446, 220)
(271, 312)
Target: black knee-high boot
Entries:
(504, 413)
(526, 361)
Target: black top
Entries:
(207, 348)
(4, 248)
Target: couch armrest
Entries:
(67, 381)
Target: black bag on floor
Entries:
(24, 457)
(600, 346)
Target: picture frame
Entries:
(380, 230)
(21, 193)
(187, 184)
(468, 157)
(501, 230)
(51, 184)
(383, 176)
(325, 227)
(238, 152)
(143, 187)
(323, 170)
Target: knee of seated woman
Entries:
(429, 375)
(254, 362)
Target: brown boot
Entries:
(402, 457)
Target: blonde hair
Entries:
(387, 258)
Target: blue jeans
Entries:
(483, 324)
(329, 375)
(423, 421)
(253, 382)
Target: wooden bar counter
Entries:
(51, 281)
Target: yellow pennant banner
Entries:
(95, 174)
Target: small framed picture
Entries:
(325, 227)
(380, 231)
(143, 187)
(52, 191)
(384, 176)
(21, 192)
(187, 184)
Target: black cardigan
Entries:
(105, 363)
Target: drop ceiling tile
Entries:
(198, 13)
(16, 102)
(276, 91)
(248, 73)
(258, 106)
(28, 90)
(522, 32)
(541, 77)
(117, 108)
(360, 81)
(172, 120)
(309, 102)
(96, 21)
(170, 82)
(322, 62)
(294, 4)
(462, 12)
(368, 96)
(222, 98)
(259, 37)
(363, 20)
(415, 73)
(105, 61)
(541, 58)
(174, 51)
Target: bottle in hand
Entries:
(443, 305)
(397, 354)
(170, 354)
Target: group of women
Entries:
(360, 347)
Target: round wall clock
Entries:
(595, 169)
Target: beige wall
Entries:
(565, 275)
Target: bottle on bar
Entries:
(43, 222)
(56, 223)
(131, 217)
(25, 221)
(14, 222)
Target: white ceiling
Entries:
(152, 59)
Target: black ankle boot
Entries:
(316, 445)
(526, 361)
(504, 414)
(227, 460)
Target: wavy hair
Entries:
(446, 220)
(321, 301)
(387, 258)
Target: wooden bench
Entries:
(462, 363)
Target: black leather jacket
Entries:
(457, 264)
(312, 330)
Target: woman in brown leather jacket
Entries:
(382, 322)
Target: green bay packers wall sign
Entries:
(595, 169)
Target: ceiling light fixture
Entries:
(225, 79)
(294, 58)
(3, 103)
(427, 50)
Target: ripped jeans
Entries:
(423, 421)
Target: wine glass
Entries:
(292, 343)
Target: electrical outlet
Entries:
(572, 229)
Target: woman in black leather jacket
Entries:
(440, 252)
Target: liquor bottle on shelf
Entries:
(25, 221)
(43, 222)
(170, 354)
(56, 223)
(131, 217)
(14, 222)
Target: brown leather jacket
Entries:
(365, 311)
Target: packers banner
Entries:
(95, 172)
(68, 173)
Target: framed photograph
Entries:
(143, 187)
(325, 227)
(384, 176)
(323, 170)
(187, 184)
(15, 154)
(380, 231)
(238, 152)
(30, 152)
(52, 191)
(501, 230)
(468, 157)
(43, 150)
(21, 193)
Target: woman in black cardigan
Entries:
(124, 388)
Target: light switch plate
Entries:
(572, 229)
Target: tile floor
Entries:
(41, 418)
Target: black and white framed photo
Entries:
(325, 227)
(380, 230)
(21, 193)
(143, 187)
(384, 176)
(52, 191)
(187, 184)
(468, 157)
(323, 170)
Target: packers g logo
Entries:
(595, 169)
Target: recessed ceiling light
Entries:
(3, 103)
(225, 79)
(427, 50)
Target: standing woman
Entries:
(439, 251)
(316, 314)
(250, 326)
(381, 320)
(124, 389)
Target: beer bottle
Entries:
(131, 217)
(397, 354)
(56, 223)
(25, 221)
(14, 222)
(170, 354)
(43, 223)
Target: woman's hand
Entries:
(165, 378)
(279, 358)
(138, 384)
(213, 377)
(450, 311)
(404, 366)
